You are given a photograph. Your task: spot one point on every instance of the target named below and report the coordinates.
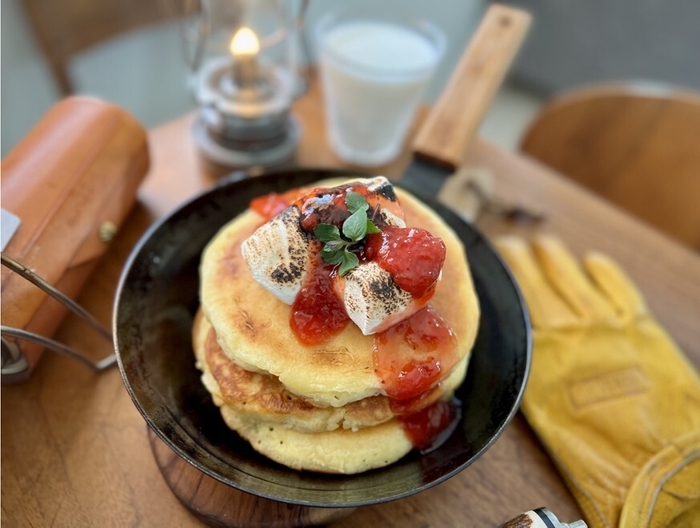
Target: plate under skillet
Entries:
(155, 305)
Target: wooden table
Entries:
(75, 450)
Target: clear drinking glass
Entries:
(374, 66)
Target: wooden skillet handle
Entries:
(454, 120)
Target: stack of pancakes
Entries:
(320, 407)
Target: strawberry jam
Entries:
(325, 206)
(429, 428)
(317, 314)
(328, 206)
(269, 205)
(413, 256)
(412, 358)
(414, 355)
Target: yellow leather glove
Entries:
(612, 398)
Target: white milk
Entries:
(373, 75)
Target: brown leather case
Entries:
(76, 170)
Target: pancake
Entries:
(340, 451)
(252, 326)
(261, 397)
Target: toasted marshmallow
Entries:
(391, 212)
(277, 255)
(373, 300)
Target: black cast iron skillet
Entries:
(158, 297)
(155, 305)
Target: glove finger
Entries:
(615, 284)
(571, 282)
(546, 307)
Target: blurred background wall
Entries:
(572, 42)
(576, 42)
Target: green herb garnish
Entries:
(338, 247)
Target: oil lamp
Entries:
(244, 97)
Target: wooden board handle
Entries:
(453, 122)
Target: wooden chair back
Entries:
(639, 147)
(67, 27)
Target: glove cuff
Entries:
(666, 491)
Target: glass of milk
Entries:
(373, 69)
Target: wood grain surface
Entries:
(75, 451)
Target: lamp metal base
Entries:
(277, 154)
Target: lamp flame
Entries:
(244, 42)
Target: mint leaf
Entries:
(349, 262)
(334, 245)
(327, 232)
(334, 256)
(371, 228)
(355, 202)
(338, 249)
(355, 227)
